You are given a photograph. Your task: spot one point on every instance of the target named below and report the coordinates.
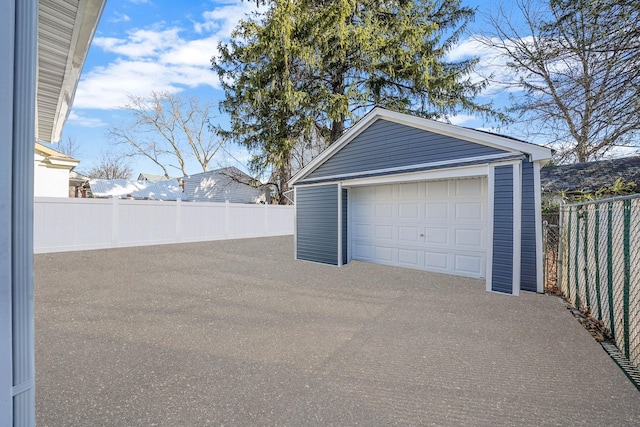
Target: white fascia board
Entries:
(452, 173)
(400, 169)
(63, 162)
(535, 152)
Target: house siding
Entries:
(528, 271)
(317, 224)
(221, 186)
(503, 216)
(385, 144)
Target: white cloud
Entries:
(119, 17)
(109, 87)
(141, 43)
(460, 119)
(159, 58)
(491, 65)
(224, 19)
(88, 122)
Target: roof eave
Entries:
(62, 50)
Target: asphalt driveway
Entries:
(238, 333)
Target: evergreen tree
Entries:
(314, 67)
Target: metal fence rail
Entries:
(600, 266)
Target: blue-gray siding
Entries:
(386, 144)
(317, 223)
(345, 240)
(502, 266)
(528, 271)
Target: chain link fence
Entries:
(599, 268)
(551, 247)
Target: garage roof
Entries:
(510, 146)
(65, 31)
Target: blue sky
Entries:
(162, 45)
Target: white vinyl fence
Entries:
(67, 224)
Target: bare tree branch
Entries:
(111, 166)
(169, 131)
(578, 64)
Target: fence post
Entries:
(266, 219)
(226, 217)
(115, 222)
(178, 220)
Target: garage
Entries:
(436, 226)
(411, 192)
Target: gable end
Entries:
(386, 144)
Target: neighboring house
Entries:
(226, 184)
(401, 190)
(590, 176)
(78, 184)
(152, 177)
(143, 190)
(51, 172)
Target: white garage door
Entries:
(434, 225)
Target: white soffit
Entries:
(65, 31)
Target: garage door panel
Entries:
(468, 187)
(362, 210)
(412, 190)
(469, 211)
(471, 264)
(408, 210)
(362, 252)
(409, 257)
(384, 210)
(472, 238)
(435, 225)
(437, 211)
(384, 192)
(436, 236)
(384, 232)
(384, 254)
(408, 233)
(362, 231)
(437, 189)
(436, 261)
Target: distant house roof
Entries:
(225, 184)
(124, 188)
(152, 177)
(589, 176)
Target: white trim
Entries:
(491, 175)
(315, 184)
(517, 228)
(295, 224)
(534, 151)
(412, 167)
(537, 200)
(453, 173)
(339, 224)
